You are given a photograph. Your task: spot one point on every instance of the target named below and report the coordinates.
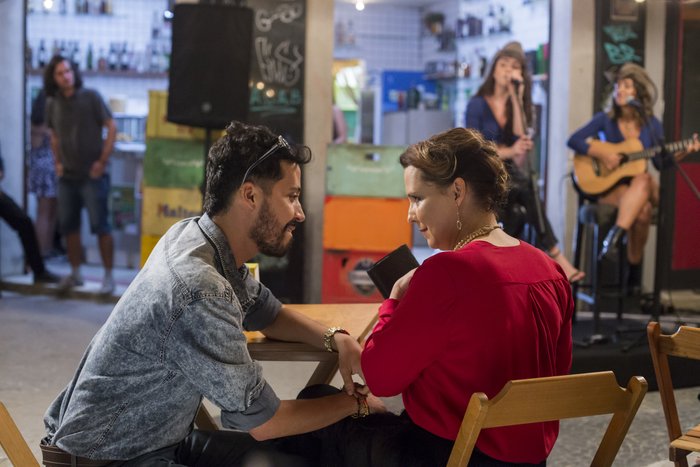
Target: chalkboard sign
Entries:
(277, 68)
(620, 38)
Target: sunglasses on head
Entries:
(281, 143)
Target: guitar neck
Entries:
(654, 150)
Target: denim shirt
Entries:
(175, 336)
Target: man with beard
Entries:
(176, 335)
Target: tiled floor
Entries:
(42, 339)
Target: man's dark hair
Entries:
(237, 150)
(50, 85)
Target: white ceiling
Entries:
(406, 3)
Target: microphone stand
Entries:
(655, 308)
(533, 179)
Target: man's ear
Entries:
(249, 195)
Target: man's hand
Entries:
(97, 169)
(59, 169)
(349, 352)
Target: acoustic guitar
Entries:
(593, 179)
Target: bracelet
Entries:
(362, 408)
(328, 335)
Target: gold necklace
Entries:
(485, 230)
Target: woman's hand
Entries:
(520, 149)
(375, 404)
(401, 285)
(695, 145)
(611, 161)
(349, 353)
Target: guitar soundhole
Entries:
(596, 166)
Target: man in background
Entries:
(76, 117)
(19, 221)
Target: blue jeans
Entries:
(92, 194)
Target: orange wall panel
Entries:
(367, 224)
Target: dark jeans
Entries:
(11, 213)
(521, 192)
(380, 440)
(218, 449)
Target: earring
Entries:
(459, 222)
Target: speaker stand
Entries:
(207, 146)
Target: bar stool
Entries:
(593, 222)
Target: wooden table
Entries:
(357, 318)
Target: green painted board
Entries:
(173, 163)
(364, 170)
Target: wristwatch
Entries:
(328, 335)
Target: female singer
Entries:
(497, 112)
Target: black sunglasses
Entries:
(281, 143)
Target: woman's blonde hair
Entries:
(464, 153)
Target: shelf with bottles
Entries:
(122, 59)
(110, 73)
(91, 8)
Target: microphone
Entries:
(632, 102)
(516, 82)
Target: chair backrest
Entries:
(684, 343)
(13, 443)
(553, 398)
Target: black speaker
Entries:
(210, 64)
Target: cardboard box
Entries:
(345, 278)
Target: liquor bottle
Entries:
(102, 60)
(28, 59)
(112, 60)
(76, 53)
(124, 58)
(42, 55)
(62, 7)
(89, 59)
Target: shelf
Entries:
(109, 73)
(483, 36)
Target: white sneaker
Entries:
(107, 286)
(68, 282)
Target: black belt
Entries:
(53, 456)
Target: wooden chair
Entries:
(13, 443)
(684, 343)
(553, 398)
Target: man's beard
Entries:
(267, 234)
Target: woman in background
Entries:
(629, 116)
(494, 111)
(42, 175)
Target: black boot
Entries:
(634, 279)
(612, 243)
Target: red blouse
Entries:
(470, 321)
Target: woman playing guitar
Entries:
(629, 119)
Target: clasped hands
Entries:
(349, 352)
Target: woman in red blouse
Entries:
(487, 310)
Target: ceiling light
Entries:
(359, 5)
